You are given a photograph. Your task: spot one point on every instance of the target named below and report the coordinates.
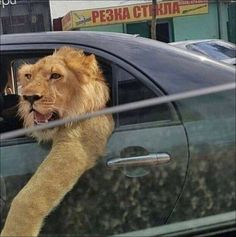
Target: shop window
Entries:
(16, 24)
(23, 24)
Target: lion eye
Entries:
(28, 76)
(55, 76)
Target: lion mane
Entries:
(64, 84)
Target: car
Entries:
(219, 50)
(194, 138)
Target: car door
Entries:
(211, 185)
(116, 196)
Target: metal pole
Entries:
(219, 17)
(154, 14)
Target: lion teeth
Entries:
(40, 122)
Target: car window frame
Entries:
(18, 50)
(153, 88)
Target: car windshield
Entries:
(216, 50)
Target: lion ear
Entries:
(85, 67)
(90, 62)
(66, 52)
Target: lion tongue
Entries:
(41, 118)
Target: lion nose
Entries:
(32, 98)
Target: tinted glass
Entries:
(216, 50)
(130, 89)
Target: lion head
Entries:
(64, 84)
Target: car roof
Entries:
(173, 69)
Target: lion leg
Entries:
(54, 178)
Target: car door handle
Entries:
(151, 159)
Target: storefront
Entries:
(21, 16)
(176, 20)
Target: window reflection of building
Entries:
(25, 16)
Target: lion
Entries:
(65, 84)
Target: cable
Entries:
(121, 108)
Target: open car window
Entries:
(124, 88)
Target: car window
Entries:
(216, 50)
(131, 89)
(125, 88)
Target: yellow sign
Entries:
(67, 21)
(132, 13)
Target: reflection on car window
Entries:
(130, 90)
(219, 50)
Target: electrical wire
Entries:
(121, 108)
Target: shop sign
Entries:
(4, 3)
(132, 13)
(67, 21)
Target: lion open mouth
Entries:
(44, 118)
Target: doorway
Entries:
(164, 31)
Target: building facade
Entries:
(21, 16)
(176, 20)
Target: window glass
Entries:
(217, 50)
(130, 89)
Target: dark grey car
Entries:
(198, 134)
